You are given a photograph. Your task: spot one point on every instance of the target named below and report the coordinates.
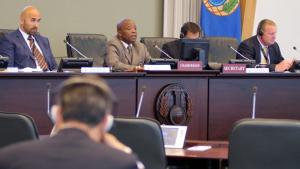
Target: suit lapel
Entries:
(126, 54)
(258, 50)
(24, 44)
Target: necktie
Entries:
(129, 48)
(37, 54)
(264, 59)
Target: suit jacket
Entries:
(15, 47)
(118, 58)
(251, 49)
(70, 148)
(172, 48)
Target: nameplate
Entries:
(234, 68)
(95, 70)
(11, 70)
(157, 67)
(189, 65)
(257, 70)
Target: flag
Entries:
(221, 18)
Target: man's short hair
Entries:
(189, 27)
(262, 24)
(86, 99)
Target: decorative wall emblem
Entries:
(174, 105)
(221, 7)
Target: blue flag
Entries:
(221, 18)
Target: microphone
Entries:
(254, 90)
(294, 47)
(140, 102)
(165, 53)
(66, 42)
(235, 51)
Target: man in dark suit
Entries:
(25, 47)
(124, 53)
(83, 118)
(263, 48)
(189, 30)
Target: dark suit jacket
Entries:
(118, 58)
(172, 48)
(15, 47)
(69, 149)
(251, 49)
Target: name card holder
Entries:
(257, 70)
(95, 70)
(189, 65)
(157, 67)
(234, 68)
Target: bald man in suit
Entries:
(25, 47)
(124, 53)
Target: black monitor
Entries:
(74, 64)
(195, 50)
(3, 62)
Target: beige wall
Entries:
(85, 16)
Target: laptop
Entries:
(174, 136)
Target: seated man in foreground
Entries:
(124, 53)
(83, 116)
(263, 48)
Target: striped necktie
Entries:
(37, 54)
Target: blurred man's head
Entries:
(127, 31)
(30, 19)
(267, 31)
(84, 100)
(190, 30)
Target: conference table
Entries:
(216, 100)
(215, 157)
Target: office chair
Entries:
(144, 137)
(219, 52)
(4, 31)
(150, 42)
(265, 144)
(91, 45)
(15, 127)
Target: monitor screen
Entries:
(74, 63)
(194, 50)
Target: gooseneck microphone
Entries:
(254, 90)
(165, 53)
(235, 51)
(140, 102)
(81, 54)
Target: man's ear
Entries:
(108, 122)
(56, 114)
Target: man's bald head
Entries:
(127, 31)
(30, 19)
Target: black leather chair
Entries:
(15, 127)
(91, 45)
(4, 31)
(219, 52)
(150, 42)
(144, 137)
(265, 144)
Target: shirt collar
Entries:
(24, 34)
(261, 44)
(125, 44)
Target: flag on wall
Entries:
(221, 18)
